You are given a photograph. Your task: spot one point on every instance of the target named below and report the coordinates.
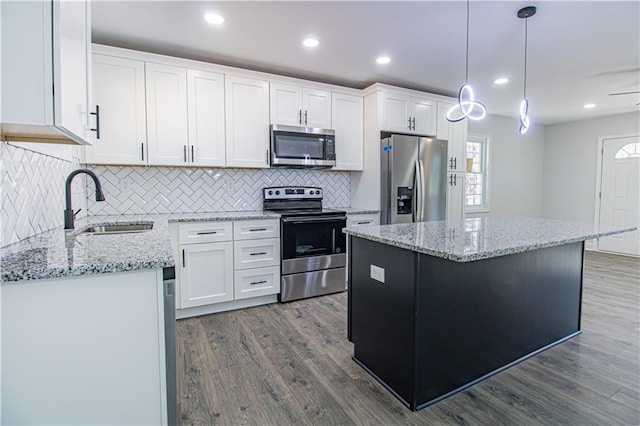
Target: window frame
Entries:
(485, 140)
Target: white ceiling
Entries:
(578, 52)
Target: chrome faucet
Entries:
(69, 215)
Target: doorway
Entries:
(620, 193)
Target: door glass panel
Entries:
(312, 239)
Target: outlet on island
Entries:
(377, 273)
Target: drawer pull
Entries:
(258, 282)
(258, 254)
(207, 232)
(364, 223)
(257, 229)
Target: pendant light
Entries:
(525, 13)
(467, 106)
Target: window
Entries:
(475, 194)
(631, 150)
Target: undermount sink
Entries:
(118, 228)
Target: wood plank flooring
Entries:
(290, 364)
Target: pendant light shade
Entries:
(525, 13)
(467, 106)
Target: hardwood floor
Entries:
(291, 363)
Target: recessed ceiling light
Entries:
(501, 80)
(383, 60)
(214, 18)
(311, 42)
(589, 106)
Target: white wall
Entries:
(515, 167)
(570, 164)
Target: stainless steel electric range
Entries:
(312, 244)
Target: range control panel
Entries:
(292, 192)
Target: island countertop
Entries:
(482, 238)
(58, 253)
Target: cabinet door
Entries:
(423, 116)
(316, 108)
(286, 104)
(457, 147)
(206, 274)
(442, 124)
(205, 95)
(347, 118)
(455, 196)
(118, 89)
(247, 122)
(71, 49)
(166, 114)
(395, 113)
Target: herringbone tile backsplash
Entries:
(32, 192)
(138, 190)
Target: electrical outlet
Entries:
(377, 273)
(125, 184)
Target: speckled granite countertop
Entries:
(59, 253)
(481, 238)
(356, 210)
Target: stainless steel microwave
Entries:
(302, 147)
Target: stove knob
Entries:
(270, 192)
(277, 192)
(317, 192)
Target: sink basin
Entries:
(118, 228)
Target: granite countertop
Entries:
(481, 238)
(356, 210)
(59, 253)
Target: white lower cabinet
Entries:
(227, 265)
(207, 274)
(256, 282)
(363, 219)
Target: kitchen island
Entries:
(435, 307)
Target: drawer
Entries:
(362, 220)
(252, 229)
(256, 253)
(256, 282)
(205, 232)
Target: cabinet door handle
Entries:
(258, 254)
(366, 222)
(192, 156)
(413, 120)
(142, 150)
(257, 229)
(451, 180)
(258, 282)
(455, 180)
(267, 156)
(97, 128)
(183, 258)
(409, 123)
(184, 151)
(206, 232)
(305, 117)
(300, 116)
(455, 162)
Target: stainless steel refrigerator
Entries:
(413, 181)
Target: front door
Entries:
(620, 193)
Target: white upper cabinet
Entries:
(408, 114)
(456, 135)
(119, 94)
(300, 106)
(167, 126)
(347, 118)
(45, 81)
(247, 122)
(205, 92)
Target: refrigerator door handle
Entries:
(422, 190)
(416, 193)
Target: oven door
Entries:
(311, 243)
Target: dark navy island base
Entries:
(436, 326)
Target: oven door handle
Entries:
(323, 219)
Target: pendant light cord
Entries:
(526, 33)
(466, 76)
